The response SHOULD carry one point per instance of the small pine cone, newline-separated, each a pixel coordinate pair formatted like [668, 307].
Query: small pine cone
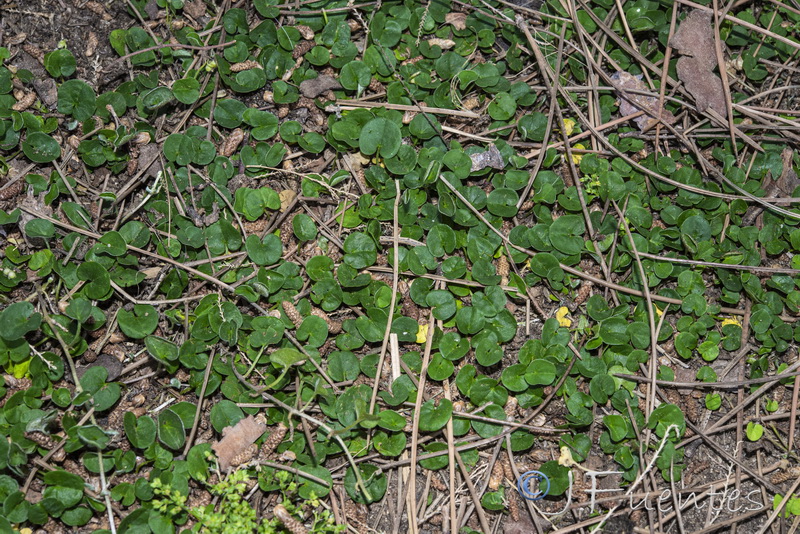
[505, 465]
[287, 231]
[375, 86]
[302, 49]
[245, 65]
[305, 32]
[275, 438]
[283, 111]
[31, 50]
[513, 504]
[292, 313]
[361, 178]
[12, 190]
[292, 525]
[692, 409]
[583, 293]
[245, 456]
[470, 103]
[98, 9]
[780, 392]
[496, 478]
[230, 144]
[502, 269]
[131, 166]
[24, 100]
[783, 476]
[45, 441]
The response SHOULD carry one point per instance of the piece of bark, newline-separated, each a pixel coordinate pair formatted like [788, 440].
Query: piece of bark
[237, 439]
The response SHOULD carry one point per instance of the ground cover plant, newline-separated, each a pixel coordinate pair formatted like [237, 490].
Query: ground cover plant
[399, 266]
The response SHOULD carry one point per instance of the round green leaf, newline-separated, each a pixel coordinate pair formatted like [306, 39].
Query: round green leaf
[171, 431]
[503, 202]
[17, 320]
[374, 480]
[139, 323]
[41, 148]
[229, 113]
[98, 281]
[265, 251]
[502, 107]
[60, 63]
[186, 90]
[540, 373]
[304, 227]
[380, 136]
[77, 98]
[432, 417]
[355, 76]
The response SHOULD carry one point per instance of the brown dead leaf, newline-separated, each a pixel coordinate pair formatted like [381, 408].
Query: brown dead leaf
[694, 39]
[287, 197]
[237, 439]
[316, 86]
[457, 20]
[630, 103]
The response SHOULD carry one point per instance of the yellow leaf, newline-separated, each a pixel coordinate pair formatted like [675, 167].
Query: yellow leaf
[731, 320]
[659, 311]
[565, 458]
[19, 370]
[569, 126]
[422, 333]
[576, 158]
[561, 315]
